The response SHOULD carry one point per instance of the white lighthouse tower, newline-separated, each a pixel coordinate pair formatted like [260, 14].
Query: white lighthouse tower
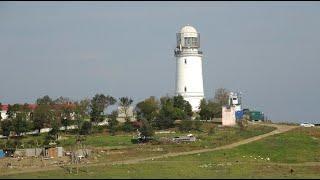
[189, 82]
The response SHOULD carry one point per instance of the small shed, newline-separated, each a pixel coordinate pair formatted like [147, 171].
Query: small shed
[53, 152]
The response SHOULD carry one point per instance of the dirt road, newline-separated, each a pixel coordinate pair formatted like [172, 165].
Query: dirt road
[280, 129]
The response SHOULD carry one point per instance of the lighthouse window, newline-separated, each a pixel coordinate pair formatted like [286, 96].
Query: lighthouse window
[185, 89]
[178, 38]
[187, 41]
[185, 61]
[194, 42]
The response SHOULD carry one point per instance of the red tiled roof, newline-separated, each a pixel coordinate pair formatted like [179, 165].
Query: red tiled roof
[4, 107]
[32, 107]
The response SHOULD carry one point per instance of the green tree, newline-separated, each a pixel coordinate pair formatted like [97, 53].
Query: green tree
[86, 128]
[146, 129]
[53, 133]
[166, 116]
[184, 106]
[19, 123]
[185, 125]
[215, 109]
[45, 100]
[127, 126]
[26, 109]
[113, 123]
[42, 116]
[80, 112]
[62, 101]
[98, 104]
[6, 127]
[64, 108]
[66, 116]
[12, 110]
[148, 109]
[125, 103]
[204, 112]
[209, 110]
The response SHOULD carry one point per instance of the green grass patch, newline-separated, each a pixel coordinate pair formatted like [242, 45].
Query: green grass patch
[99, 140]
[296, 146]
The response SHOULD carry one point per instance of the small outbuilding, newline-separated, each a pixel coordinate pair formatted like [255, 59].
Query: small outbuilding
[53, 152]
[228, 116]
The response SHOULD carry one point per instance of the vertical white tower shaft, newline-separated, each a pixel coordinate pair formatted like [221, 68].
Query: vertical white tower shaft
[189, 81]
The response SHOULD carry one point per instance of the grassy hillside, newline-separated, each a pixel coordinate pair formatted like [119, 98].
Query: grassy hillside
[296, 146]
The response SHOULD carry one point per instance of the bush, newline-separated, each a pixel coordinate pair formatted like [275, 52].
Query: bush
[197, 125]
[146, 129]
[113, 123]
[86, 128]
[2, 144]
[13, 143]
[212, 130]
[98, 129]
[134, 141]
[31, 143]
[127, 126]
[186, 125]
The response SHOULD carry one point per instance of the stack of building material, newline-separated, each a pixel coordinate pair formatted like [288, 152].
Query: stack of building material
[19, 153]
[188, 138]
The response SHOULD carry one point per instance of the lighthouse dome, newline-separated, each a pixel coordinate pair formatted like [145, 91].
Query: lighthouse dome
[188, 29]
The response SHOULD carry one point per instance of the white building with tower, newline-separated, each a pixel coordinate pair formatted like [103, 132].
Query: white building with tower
[189, 81]
[234, 100]
[229, 111]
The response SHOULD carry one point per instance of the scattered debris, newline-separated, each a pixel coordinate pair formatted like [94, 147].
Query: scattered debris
[205, 165]
[157, 149]
[259, 157]
[164, 132]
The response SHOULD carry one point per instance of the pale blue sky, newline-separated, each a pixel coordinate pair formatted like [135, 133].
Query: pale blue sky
[268, 50]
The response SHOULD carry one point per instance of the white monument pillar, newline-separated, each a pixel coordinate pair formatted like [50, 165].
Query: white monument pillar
[189, 81]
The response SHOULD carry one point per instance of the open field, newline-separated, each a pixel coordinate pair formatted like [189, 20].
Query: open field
[287, 153]
[108, 148]
[293, 154]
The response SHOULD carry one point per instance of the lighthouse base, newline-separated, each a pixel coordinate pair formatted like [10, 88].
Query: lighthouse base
[194, 102]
